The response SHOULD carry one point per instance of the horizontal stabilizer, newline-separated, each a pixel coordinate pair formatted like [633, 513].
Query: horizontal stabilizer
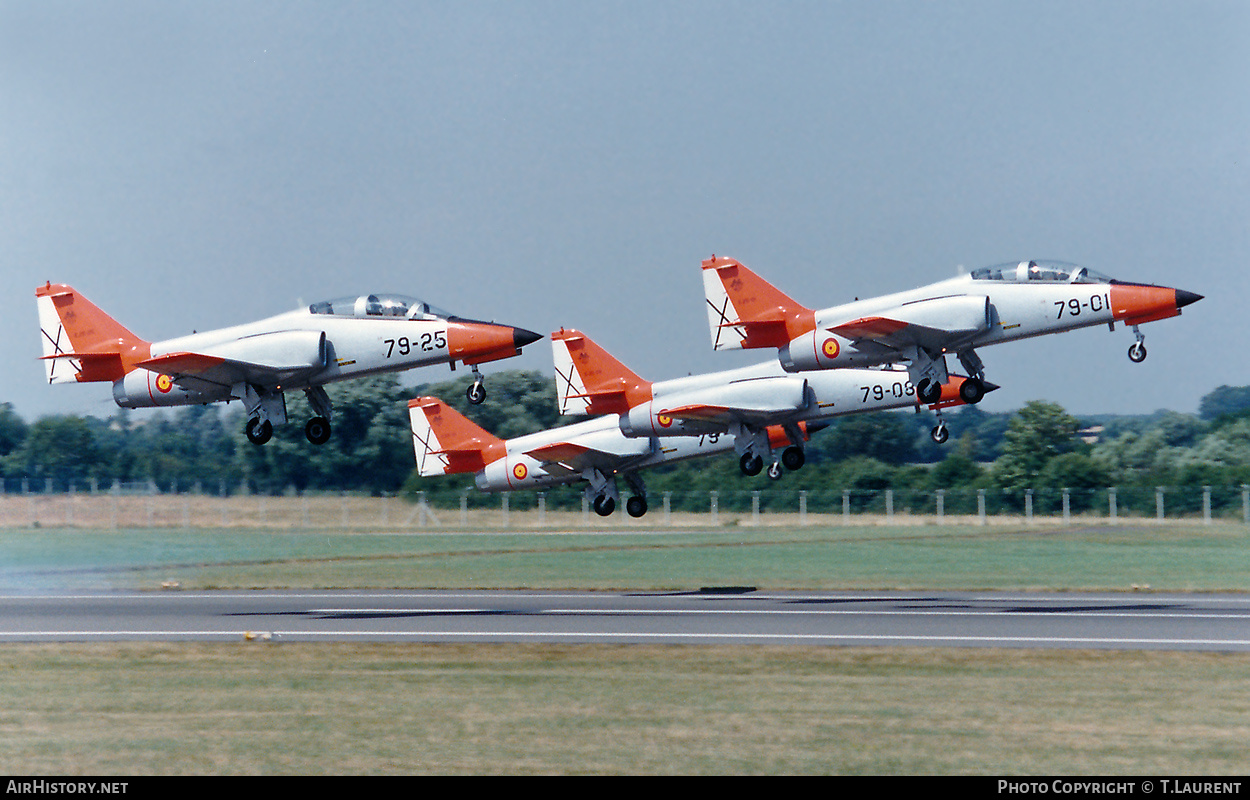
[744, 311]
[80, 342]
[589, 380]
[446, 442]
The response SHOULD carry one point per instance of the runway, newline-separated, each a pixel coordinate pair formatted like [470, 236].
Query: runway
[726, 616]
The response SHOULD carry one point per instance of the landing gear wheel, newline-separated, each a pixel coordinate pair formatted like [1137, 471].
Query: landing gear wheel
[929, 391]
[476, 393]
[774, 471]
[604, 505]
[318, 430]
[258, 431]
[636, 505]
[793, 458]
[939, 433]
[1137, 352]
[971, 391]
[750, 464]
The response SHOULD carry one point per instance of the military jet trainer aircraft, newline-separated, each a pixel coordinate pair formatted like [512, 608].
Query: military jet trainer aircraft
[259, 362]
[748, 404]
[595, 451]
[921, 326]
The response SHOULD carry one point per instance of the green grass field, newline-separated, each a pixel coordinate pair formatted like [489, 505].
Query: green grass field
[272, 708]
[1175, 557]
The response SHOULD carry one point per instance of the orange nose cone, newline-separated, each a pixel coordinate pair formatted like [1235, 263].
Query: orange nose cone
[479, 342]
[1135, 303]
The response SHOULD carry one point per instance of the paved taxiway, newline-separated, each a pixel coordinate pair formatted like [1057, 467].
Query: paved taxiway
[710, 616]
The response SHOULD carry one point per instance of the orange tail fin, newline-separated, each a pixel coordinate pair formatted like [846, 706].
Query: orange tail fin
[446, 442]
[81, 342]
[745, 311]
[589, 380]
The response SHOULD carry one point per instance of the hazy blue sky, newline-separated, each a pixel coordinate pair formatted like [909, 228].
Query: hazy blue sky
[195, 165]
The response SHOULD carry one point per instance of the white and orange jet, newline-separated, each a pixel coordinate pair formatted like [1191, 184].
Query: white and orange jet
[258, 362]
[922, 326]
[748, 404]
[595, 451]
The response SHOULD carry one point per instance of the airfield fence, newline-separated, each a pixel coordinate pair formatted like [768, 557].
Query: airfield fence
[30, 504]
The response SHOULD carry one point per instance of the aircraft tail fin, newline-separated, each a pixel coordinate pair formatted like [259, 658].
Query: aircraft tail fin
[590, 380]
[745, 311]
[446, 442]
[81, 342]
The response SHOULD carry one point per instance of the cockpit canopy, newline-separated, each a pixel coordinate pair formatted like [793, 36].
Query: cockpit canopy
[1040, 271]
[379, 305]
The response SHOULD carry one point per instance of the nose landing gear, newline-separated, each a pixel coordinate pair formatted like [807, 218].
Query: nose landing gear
[1137, 350]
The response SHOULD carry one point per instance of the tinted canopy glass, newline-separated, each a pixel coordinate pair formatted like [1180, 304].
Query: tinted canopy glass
[1040, 271]
[379, 305]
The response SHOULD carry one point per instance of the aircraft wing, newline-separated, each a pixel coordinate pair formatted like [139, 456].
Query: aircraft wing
[934, 323]
[573, 457]
[269, 360]
[721, 417]
[756, 402]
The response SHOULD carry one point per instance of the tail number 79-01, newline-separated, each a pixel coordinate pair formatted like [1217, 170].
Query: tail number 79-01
[425, 343]
[1073, 307]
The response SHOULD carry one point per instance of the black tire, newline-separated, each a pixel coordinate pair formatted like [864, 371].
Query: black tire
[929, 391]
[750, 464]
[1137, 352]
[793, 457]
[971, 391]
[604, 505]
[259, 432]
[476, 394]
[318, 430]
[940, 434]
[636, 506]
[775, 471]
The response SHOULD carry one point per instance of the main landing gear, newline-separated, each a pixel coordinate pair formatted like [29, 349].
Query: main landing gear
[266, 408]
[792, 458]
[604, 496]
[259, 431]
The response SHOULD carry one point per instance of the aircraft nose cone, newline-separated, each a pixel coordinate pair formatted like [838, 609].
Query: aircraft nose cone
[522, 337]
[989, 387]
[1184, 298]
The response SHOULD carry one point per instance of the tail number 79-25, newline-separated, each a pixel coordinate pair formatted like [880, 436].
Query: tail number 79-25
[425, 343]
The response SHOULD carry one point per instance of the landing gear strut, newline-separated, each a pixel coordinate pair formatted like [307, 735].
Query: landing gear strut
[1137, 351]
[477, 392]
[318, 428]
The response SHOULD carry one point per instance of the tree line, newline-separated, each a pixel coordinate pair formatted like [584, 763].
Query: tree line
[1037, 447]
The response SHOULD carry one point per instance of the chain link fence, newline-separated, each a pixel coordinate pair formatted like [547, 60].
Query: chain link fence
[32, 504]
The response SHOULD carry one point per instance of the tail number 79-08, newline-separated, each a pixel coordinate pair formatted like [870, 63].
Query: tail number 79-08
[897, 390]
[425, 343]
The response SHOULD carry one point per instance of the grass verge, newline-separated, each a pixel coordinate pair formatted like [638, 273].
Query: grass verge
[144, 709]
